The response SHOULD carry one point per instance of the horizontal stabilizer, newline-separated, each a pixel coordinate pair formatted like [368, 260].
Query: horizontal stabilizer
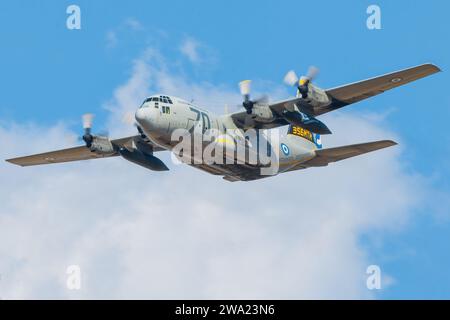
[326, 156]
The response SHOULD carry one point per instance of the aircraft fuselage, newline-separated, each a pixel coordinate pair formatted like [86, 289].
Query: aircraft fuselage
[160, 121]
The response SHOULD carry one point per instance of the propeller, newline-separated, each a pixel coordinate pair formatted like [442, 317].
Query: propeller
[87, 126]
[244, 87]
[291, 78]
[248, 104]
[302, 83]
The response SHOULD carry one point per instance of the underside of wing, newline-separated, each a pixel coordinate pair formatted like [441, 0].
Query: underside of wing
[354, 92]
[326, 156]
[72, 154]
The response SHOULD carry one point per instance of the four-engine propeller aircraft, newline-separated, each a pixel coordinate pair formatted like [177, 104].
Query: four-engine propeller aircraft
[160, 116]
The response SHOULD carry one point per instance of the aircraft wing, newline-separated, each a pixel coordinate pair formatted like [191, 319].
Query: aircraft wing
[354, 92]
[326, 156]
[64, 155]
[71, 154]
[338, 97]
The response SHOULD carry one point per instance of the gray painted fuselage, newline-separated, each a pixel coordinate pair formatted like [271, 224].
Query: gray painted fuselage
[159, 120]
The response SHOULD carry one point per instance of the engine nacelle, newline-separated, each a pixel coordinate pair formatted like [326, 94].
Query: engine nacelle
[263, 113]
[101, 145]
[317, 97]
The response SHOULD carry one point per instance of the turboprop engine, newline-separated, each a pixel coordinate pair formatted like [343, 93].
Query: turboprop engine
[139, 153]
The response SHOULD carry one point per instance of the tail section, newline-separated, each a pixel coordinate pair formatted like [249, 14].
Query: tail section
[325, 156]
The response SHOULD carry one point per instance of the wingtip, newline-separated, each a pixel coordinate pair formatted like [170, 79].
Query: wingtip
[435, 67]
[391, 143]
[12, 162]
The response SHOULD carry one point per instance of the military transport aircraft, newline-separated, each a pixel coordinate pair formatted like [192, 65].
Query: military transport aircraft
[160, 116]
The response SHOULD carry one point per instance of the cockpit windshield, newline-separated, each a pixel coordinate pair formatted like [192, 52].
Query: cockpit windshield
[163, 99]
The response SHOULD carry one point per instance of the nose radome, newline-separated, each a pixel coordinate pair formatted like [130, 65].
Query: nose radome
[141, 115]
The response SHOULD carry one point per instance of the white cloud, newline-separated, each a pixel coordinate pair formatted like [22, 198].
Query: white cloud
[129, 24]
[187, 234]
[134, 24]
[190, 48]
[197, 52]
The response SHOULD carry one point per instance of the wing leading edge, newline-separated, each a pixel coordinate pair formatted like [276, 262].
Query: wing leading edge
[341, 96]
[59, 156]
[357, 91]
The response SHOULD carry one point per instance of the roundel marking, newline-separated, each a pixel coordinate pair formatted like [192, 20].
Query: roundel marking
[318, 140]
[285, 149]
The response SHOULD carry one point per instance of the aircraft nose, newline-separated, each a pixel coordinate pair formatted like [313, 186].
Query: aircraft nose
[141, 115]
[147, 118]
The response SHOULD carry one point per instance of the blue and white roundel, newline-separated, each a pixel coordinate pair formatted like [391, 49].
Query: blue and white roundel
[318, 141]
[285, 149]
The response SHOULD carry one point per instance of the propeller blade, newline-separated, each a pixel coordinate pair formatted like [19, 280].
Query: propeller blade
[87, 125]
[87, 120]
[262, 100]
[103, 133]
[244, 87]
[291, 78]
[304, 80]
[312, 73]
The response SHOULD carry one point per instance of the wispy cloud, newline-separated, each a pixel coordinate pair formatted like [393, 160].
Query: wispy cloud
[111, 39]
[197, 52]
[128, 25]
[134, 24]
[189, 48]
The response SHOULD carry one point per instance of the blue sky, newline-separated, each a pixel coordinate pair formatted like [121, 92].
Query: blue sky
[50, 74]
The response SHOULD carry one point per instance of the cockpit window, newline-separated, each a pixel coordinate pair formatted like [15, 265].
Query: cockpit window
[163, 99]
[145, 101]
